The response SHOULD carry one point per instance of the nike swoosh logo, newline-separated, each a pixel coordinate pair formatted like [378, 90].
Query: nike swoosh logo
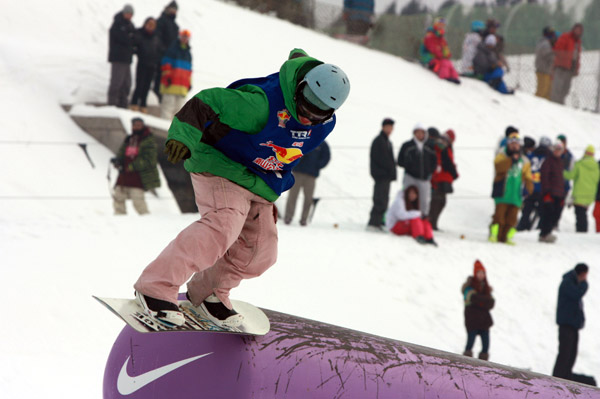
[126, 384]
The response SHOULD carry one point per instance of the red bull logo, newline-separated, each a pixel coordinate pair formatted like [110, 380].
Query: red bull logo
[283, 116]
[284, 155]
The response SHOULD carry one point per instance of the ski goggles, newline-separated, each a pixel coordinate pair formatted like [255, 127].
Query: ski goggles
[310, 111]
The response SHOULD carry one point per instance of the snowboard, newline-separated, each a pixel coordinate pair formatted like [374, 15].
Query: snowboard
[255, 321]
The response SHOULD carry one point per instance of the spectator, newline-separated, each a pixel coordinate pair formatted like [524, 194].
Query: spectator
[568, 161]
[507, 132]
[469, 48]
[405, 218]
[585, 176]
[532, 202]
[491, 27]
[477, 295]
[138, 172]
[512, 172]
[441, 180]
[553, 192]
[528, 146]
[597, 207]
[488, 67]
[419, 162]
[544, 60]
[148, 52]
[120, 54]
[567, 52]
[167, 31]
[435, 53]
[358, 15]
[305, 176]
[176, 80]
[383, 171]
[570, 319]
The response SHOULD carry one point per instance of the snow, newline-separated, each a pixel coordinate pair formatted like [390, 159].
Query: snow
[60, 243]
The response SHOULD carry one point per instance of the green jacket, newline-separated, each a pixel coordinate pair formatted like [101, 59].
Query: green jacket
[585, 177]
[510, 178]
[145, 163]
[246, 109]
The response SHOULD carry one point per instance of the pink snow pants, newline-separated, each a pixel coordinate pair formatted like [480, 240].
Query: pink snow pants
[235, 239]
[446, 70]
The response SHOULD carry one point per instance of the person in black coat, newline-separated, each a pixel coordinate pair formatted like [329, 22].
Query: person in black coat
[305, 174]
[167, 31]
[383, 171]
[120, 54]
[478, 299]
[419, 161]
[570, 319]
[148, 50]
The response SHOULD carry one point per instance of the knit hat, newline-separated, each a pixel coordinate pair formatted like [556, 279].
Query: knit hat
[127, 9]
[490, 40]
[477, 267]
[562, 138]
[419, 126]
[558, 145]
[450, 135]
[528, 142]
[509, 130]
[185, 33]
[136, 119]
[545, 141]
[433, 133]
[387, 121]
[172, 4]
[590, 150]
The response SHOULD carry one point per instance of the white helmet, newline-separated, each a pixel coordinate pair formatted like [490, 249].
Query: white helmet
[329, 83]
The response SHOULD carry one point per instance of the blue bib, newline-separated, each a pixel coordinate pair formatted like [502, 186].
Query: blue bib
[273, 152]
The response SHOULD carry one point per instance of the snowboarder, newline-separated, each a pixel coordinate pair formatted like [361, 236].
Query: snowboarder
[240, 144]
[478, 299]
[138, 171]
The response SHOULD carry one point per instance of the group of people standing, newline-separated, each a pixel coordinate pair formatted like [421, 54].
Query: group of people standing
[164, 61]
[429, 170]
[537, 179]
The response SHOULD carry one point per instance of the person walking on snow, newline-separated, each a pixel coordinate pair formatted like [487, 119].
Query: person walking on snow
[570, 319]
[419, 162]
[240, 145]
[405, 218]
[176, 75]
[585, 176]
[383, 171]
[477, 295]
[138, 172]
[513, 171]
[306, 174]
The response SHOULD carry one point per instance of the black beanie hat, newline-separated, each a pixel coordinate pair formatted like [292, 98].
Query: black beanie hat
[581, 268]
[433, 133]
[528, 142]
[510, 129]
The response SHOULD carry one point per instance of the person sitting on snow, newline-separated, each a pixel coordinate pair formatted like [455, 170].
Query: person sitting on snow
[435, 53]
[405, 218]
[469, 48]
[488, 67]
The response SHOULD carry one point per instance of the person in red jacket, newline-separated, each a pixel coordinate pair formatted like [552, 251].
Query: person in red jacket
[435, 53]
[445, 173]
[567, 51]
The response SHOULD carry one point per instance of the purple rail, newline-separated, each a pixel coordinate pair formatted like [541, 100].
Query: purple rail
[301, 358]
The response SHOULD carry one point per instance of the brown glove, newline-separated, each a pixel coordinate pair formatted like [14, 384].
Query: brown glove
[176, 151]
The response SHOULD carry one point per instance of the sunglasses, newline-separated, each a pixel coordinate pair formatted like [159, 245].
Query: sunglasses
[310, 111]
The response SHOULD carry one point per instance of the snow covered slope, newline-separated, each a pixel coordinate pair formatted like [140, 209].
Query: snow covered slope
[59, 242]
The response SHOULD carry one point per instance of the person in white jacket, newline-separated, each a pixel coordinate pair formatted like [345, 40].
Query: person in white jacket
[469, 48]
[405, 218]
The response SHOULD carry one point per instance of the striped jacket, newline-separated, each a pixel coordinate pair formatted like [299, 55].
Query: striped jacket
[176, 70]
